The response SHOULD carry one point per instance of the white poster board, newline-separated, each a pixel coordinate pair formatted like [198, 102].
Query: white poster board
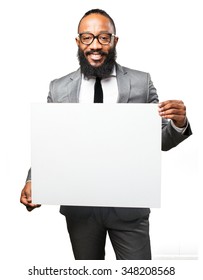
[96, 154]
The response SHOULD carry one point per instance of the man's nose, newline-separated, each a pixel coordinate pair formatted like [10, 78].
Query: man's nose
[95, 44]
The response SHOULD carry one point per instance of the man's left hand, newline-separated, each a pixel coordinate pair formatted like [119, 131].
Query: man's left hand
[174, 110]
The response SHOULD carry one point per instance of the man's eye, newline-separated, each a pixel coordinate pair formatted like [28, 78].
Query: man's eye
[86, 37]
[104, 37]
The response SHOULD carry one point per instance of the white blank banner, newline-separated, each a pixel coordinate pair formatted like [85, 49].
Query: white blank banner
[96, 154]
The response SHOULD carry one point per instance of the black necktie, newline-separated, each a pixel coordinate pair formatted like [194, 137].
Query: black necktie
[98, 92]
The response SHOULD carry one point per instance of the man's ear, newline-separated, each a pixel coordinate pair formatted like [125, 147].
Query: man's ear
[77, 41]
[116, 40]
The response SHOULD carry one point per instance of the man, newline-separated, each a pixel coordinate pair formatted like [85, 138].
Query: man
[128, 228]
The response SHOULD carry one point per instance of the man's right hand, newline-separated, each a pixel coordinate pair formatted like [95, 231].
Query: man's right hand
[26, 198]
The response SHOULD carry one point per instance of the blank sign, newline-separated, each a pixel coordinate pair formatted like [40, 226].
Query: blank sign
[96, 154]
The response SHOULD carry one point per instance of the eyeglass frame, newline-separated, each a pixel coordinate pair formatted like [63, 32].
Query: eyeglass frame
[96, 37]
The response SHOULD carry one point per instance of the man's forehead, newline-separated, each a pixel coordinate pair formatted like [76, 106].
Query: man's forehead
[95, 22]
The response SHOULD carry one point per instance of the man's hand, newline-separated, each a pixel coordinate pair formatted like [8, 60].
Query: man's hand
[26, 198]
[174, 110]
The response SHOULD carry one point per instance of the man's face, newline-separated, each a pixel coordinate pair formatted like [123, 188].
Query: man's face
[96, 53]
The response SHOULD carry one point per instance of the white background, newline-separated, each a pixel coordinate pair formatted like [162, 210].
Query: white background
[37, 45]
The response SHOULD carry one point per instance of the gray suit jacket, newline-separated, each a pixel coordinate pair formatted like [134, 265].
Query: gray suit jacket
[133, 87]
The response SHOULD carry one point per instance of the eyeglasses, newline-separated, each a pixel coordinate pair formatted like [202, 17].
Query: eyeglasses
[88, 38]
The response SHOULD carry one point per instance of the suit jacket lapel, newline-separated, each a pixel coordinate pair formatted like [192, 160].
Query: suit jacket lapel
[73, 88]
[123, 84]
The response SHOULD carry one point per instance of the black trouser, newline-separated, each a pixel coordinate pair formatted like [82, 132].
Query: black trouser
[130, 239]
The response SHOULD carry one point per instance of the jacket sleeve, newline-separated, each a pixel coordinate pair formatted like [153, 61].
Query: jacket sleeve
[28, 175]
[171, 138]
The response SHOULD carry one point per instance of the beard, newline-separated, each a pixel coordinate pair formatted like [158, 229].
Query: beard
[102, 71]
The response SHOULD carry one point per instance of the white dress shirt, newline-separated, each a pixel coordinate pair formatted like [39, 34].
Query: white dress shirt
[109, 86]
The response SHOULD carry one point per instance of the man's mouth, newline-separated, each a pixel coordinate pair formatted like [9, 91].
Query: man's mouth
[96, 55]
